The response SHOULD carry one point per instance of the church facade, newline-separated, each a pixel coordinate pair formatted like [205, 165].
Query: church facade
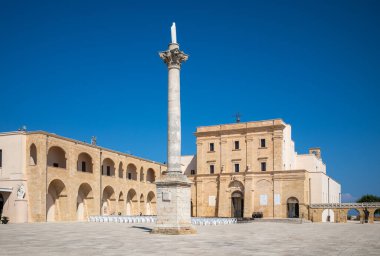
[246, 168]
[46, 177]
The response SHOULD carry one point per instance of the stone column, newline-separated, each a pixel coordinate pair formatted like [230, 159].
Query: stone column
[173, 188]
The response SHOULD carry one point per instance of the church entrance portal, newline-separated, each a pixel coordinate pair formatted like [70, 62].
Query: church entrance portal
[237, 204]
[293, 208]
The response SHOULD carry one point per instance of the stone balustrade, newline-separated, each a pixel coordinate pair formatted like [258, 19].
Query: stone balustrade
[346, 205]
[123, 219]
[152, 219]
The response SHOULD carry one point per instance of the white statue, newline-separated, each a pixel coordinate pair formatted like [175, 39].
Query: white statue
[21, 192]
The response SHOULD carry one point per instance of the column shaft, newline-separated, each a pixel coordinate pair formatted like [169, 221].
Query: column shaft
[174, 121]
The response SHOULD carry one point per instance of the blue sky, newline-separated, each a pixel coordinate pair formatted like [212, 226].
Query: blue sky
[83, 68]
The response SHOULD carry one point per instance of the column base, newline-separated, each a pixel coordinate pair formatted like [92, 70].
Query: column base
[173, 205]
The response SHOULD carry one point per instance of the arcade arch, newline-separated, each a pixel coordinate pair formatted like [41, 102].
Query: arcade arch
[151, 204]
[131, 172]
[376, 215]
[84, 163]
[85, 202]
[56, 201]
[108, 167]
[142, 174]
[33, 155]
[353, 214]
[108, 201]
[56, 157]
[142, 205]
[121, 204]
[121, 171]
[150, 176]
[132, 202]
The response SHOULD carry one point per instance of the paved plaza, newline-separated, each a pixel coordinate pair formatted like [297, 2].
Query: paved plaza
[239, 239]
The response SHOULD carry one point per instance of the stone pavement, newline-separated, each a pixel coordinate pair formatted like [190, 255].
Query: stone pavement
[240, 239]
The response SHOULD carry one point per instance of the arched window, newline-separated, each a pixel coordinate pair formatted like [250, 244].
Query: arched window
[150, 177]
[84, 163]
[56, 157]
[33, 155]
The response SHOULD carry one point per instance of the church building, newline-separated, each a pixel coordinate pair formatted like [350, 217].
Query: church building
[243, 168]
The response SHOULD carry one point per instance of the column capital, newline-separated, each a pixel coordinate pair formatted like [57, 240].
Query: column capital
[173, 57]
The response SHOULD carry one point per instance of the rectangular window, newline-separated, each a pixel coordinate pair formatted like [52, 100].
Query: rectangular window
[212, 169]
[262, 143]
[83, 166]
[192, 172]
[212, 147]
[237, 167]
[237, 145]
[1, 158]
[129, 176]
[108, 170]
[263, 166]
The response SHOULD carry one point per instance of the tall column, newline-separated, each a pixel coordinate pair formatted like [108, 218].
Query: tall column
[173, 188]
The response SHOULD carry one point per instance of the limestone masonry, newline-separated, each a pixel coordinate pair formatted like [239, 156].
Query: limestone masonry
[66, 180]
[239, 169]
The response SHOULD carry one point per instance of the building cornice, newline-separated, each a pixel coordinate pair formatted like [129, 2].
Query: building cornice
[248, 127]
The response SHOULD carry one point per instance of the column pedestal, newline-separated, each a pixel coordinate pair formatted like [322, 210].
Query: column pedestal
[173, 205]
[21, 209]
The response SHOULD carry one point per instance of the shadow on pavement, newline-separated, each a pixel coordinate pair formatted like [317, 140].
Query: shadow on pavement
[143, 228]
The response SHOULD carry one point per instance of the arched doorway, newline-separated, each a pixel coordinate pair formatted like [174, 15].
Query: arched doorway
[293, 208]
[328, 215]
[56, 201]
[237, 204]
[1, 204]
[85, 202]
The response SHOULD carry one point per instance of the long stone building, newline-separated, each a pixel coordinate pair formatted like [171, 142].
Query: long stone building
[250, 167]
[239, 169]
[45, 177]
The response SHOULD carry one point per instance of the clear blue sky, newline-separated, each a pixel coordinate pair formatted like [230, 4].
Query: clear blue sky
[83, 68]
